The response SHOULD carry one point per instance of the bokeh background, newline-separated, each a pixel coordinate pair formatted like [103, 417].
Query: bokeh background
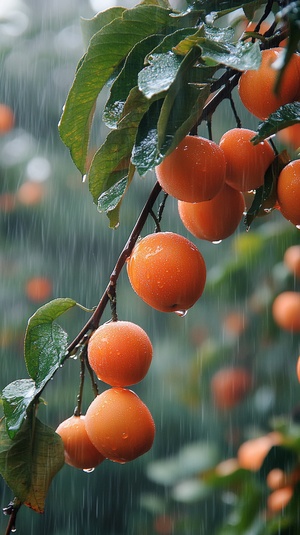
[50, 230]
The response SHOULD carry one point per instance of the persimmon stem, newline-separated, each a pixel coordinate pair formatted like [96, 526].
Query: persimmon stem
[94, 320]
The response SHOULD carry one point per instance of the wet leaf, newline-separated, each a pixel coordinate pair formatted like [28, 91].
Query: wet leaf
[145, 150]
[45, 341]
[241, 57]
[127, 79]
[111, 200]
[285, 116]
[30, 461]
[117, 147]
[17, 397]
[91, 26]
[107, 49]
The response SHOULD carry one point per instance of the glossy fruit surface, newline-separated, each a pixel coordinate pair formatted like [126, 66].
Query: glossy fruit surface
[229, 386]
[256, 87]
[286, 311]
[216, 219]
[79, 450]
[246, 163]
[120, 353]
[194, 171]
[120, 425]
[288, 192]
[167, 271]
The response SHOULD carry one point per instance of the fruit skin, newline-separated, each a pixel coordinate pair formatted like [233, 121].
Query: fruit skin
[194, 171]
[279, 499]
[290, 135]
[79, 450]
[288, 192]
[291, 259]
[120, 353]
[120, 425]
[216, 219]
[256, 87]
[229, 386]
[298, 369]
[167, 271]
[246, 163]
[286, 311]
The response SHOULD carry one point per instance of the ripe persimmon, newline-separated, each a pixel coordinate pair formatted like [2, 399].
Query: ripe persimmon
[252, 453]
[120, 353]
[120, 425]
[291, 259]
[30, 193]
[38, 289]
[288, 192]
[257, 87]
[167, 271]
[7, 119]
[229, 386]
[79, 450]
[286, 311]
[290, 136]
[194, 171]
[246, 163]
[279, 498]
[216, 219]
[298, 369]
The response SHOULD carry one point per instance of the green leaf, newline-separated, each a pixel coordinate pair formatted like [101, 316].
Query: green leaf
[241, 57]
[45, 341]
[160, 74]
[285, 116]
[91, 26]
[110, 201]
[17, 397]
[127, 79]
[145, 150]
[107, 49]
[221, 7]
[30, 461]
[117, 147]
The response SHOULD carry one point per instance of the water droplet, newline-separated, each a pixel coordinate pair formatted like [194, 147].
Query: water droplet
[124, 435]
[83, 178]
[181, 313]
[74, 357]
[298, 227]
[88, 470]
[216, 242]
[13, 529]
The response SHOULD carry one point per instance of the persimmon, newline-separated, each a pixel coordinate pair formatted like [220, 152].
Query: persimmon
[279, 499]
[7, 119]
[276, 479]
[38, 289]
[30, 193]
[120, 425]
[286, 311]
[229, 386]
[194, 171]
[216, 219]
[290, 136]
[257, 87]
[291, 259]
[120, 353]
[252, 453]
[79, 450]
[288, 192]
[246, 163]
[167, 271]
[298, 369]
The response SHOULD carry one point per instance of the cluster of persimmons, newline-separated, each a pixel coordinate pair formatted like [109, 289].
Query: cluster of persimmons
[167, 271]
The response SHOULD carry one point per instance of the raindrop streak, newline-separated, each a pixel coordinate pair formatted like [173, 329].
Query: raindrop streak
[181, 313]
[88, 470]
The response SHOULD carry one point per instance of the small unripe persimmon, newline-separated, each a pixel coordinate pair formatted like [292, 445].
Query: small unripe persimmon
[120, 425]
[79, 450]
[167, 271]
[120, 353]
[194, 171]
